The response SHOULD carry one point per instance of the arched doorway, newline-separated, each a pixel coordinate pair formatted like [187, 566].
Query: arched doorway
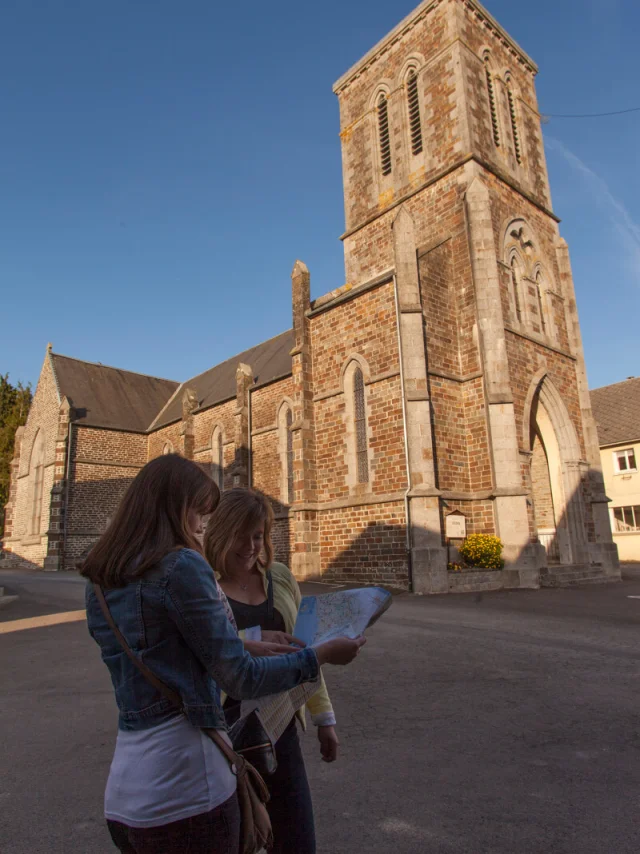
[556, 492]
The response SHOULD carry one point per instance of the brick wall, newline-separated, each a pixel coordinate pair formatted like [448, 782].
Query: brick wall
[366, 544]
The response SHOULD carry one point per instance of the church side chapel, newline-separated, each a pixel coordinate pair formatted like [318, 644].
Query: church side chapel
[446, 378]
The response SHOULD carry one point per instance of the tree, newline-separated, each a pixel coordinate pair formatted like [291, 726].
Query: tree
[14, 408]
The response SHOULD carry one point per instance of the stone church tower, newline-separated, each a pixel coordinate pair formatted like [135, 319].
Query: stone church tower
[446, 376]
[446, 186]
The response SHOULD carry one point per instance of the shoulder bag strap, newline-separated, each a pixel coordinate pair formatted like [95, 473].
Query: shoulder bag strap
[148, 674]
[270, 608]
[235, 761]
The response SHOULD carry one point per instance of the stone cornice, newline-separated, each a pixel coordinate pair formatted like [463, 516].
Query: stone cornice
[411, 21]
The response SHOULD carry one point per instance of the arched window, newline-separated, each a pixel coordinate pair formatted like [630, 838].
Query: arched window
[492, 101]
[290, 480]
[217, 458]
[37, 482]
[360, 424]
[514, 123]
[515, 281]
[413, 106]
[383, 134]
[543, 325]
[168, 448]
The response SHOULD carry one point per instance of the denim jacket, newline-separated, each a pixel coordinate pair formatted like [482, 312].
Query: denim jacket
[174, 619]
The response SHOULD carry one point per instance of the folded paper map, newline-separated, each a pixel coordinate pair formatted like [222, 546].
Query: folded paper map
[346, 613]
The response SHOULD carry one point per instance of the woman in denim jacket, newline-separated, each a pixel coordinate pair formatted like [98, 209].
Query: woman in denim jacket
[170, 790]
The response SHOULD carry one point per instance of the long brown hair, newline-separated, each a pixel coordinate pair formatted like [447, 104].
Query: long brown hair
[151, 520]
[238, 511]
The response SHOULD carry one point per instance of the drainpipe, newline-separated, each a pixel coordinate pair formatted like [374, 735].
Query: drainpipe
[406, 438]
[249, 458]
[67, 487]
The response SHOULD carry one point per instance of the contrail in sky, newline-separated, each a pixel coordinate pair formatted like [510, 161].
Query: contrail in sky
[622, 221]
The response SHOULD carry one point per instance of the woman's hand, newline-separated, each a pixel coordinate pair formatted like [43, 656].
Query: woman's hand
[328, 743]
[340, 650]
[282, 638]
[262, 649]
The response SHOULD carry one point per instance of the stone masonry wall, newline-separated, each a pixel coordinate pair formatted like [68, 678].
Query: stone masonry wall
[44, 414]
[104, 462]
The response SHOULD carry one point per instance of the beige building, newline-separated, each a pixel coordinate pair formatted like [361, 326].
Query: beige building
[617, 412]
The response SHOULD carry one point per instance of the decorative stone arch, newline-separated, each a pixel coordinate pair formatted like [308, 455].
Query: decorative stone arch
[410, 83]
[36, 481]
[168, 448]
[357, 429]
[517, 295]
[546, 416]
[217, 455]
[284, 420]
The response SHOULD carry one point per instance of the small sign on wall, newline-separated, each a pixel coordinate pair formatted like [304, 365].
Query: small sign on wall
[455, 525]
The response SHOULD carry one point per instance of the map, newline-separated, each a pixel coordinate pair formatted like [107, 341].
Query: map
[346, 613]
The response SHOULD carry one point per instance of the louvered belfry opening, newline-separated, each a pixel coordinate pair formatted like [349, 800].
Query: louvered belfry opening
[514, 126]
[383, 132]
[413, 103]
[492, 103]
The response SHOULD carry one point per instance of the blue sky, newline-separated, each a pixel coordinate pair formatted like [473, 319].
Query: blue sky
[163, 164]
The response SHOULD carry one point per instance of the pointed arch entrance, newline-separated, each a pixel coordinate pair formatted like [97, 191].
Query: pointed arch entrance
[556, 465]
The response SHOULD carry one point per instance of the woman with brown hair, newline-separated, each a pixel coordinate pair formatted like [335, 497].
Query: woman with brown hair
[170, 789]
[263, 593]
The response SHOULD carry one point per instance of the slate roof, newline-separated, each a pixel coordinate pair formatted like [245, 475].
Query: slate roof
[109, 397]
[616, 409]
[269, 360]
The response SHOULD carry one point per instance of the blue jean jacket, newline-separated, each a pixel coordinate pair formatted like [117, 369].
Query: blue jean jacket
[175, 620]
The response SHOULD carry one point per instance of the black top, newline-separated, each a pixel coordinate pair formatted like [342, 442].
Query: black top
[247, 616]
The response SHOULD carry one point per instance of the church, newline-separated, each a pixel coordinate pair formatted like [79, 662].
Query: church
[446, 378]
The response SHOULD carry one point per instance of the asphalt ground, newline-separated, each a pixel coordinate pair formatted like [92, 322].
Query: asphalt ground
[502, 723]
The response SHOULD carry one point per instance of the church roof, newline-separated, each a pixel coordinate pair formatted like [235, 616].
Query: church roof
[269, 361]
[616, 409]
[109, 397]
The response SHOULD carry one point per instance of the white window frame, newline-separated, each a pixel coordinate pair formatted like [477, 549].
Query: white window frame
[627, 452]
[635, 513]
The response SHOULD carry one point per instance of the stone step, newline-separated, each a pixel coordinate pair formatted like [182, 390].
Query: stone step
[573, 576]
[475, 582]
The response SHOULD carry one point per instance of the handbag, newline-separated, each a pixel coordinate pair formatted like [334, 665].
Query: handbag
[248, 735]
[255, 824]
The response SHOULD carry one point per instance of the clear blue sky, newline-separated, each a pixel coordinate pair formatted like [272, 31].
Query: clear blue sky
[163, 164]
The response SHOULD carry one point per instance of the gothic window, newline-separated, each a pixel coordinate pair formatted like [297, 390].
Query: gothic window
[37, 481]
[515, 281]
[383, 134]
[217, 455]
[514, 123]
[413, 106]
[543, 325]
[360, 424]
[289, 445]
[492, 101]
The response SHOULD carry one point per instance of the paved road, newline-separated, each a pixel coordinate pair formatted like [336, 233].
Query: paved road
[499, 724]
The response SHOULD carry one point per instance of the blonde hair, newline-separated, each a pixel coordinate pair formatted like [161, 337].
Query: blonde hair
[238, 511]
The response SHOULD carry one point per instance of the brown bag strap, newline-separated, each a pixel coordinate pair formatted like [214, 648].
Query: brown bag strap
[235, 761]
[148, 674]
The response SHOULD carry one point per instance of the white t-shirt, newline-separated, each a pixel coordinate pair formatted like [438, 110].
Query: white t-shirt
[167, 773]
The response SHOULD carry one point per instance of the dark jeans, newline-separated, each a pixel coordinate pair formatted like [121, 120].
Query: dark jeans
[290, 807]
[215, 832]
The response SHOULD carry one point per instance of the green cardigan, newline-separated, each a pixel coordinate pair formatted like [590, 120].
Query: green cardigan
[286, 599]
